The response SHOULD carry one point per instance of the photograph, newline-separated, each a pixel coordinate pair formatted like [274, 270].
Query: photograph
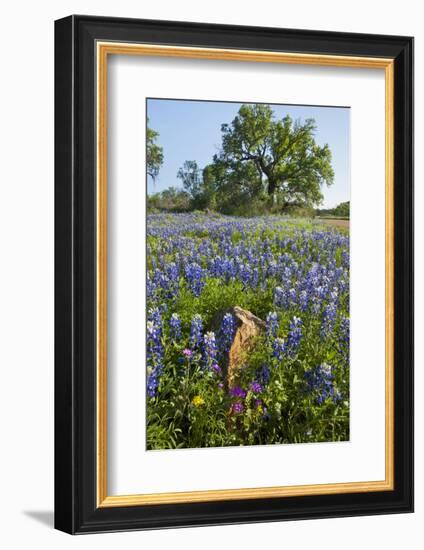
[234, 304]
[247, 274]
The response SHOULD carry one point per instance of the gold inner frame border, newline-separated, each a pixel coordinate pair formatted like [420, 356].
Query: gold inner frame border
[103, 50]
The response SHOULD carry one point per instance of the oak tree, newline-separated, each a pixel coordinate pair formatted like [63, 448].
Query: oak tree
[280, 156]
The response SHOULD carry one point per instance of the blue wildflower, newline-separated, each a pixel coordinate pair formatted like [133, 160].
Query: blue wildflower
[294, 336]
[344, 341]
[209, 349]
[195, 278]
[196, 331]
[271, 324]
[264, 374]
[227, 331]
[279, 298]
[320, 381]
[155, 353]
[328, 320]
[279, 348]
[175, 327]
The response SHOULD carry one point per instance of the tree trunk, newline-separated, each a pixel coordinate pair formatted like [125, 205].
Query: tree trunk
[272, 186]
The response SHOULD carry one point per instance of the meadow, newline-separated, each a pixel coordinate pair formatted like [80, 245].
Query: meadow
[292, 379]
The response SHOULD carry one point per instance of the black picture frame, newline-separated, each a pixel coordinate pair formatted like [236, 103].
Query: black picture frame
[76, 508]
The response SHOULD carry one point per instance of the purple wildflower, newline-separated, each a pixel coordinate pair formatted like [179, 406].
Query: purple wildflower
[237, 391]
[237, 408]
[255, 387]
[216, 368]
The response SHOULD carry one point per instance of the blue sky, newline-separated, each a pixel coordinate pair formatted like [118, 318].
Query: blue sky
[191, 130]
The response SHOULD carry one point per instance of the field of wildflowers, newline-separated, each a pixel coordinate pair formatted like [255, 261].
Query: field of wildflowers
[294, 384]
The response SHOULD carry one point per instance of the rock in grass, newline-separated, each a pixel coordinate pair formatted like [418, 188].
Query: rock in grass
[248, 327]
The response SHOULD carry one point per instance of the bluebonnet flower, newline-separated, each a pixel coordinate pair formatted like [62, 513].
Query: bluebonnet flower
[255, 278]
[328, 320]
[345, 258]
[160, 280]
[196, 331]
[279, 348]
[271, 269]
[279, 296]
[294, 336]
[155, 353]
[303, 300]
[271, 324]
[291, 297]
[264, 374]
[152, 383]
[195, 278]
[175, 327]
[320, 380]
[245, 273]
[344, 341]
[209, 348]
[150, 288]
[227, 331]
[155, 316]
[172, 274]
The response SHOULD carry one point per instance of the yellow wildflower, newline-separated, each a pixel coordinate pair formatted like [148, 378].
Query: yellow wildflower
[198, 401]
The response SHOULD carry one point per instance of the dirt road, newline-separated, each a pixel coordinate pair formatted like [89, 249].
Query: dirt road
[337, 223]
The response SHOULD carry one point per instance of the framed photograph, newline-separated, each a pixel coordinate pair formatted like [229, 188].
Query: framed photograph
[234, 274]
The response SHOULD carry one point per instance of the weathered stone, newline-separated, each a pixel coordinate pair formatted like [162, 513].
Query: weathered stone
[248, 327]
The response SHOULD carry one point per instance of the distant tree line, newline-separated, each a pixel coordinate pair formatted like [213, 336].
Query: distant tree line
[264, 165]
[342, 210]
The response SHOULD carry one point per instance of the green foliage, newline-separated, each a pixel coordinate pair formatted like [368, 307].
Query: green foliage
[154, 152]
[171, 200]
[190, 176]
[279, 157]
[342, 210]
